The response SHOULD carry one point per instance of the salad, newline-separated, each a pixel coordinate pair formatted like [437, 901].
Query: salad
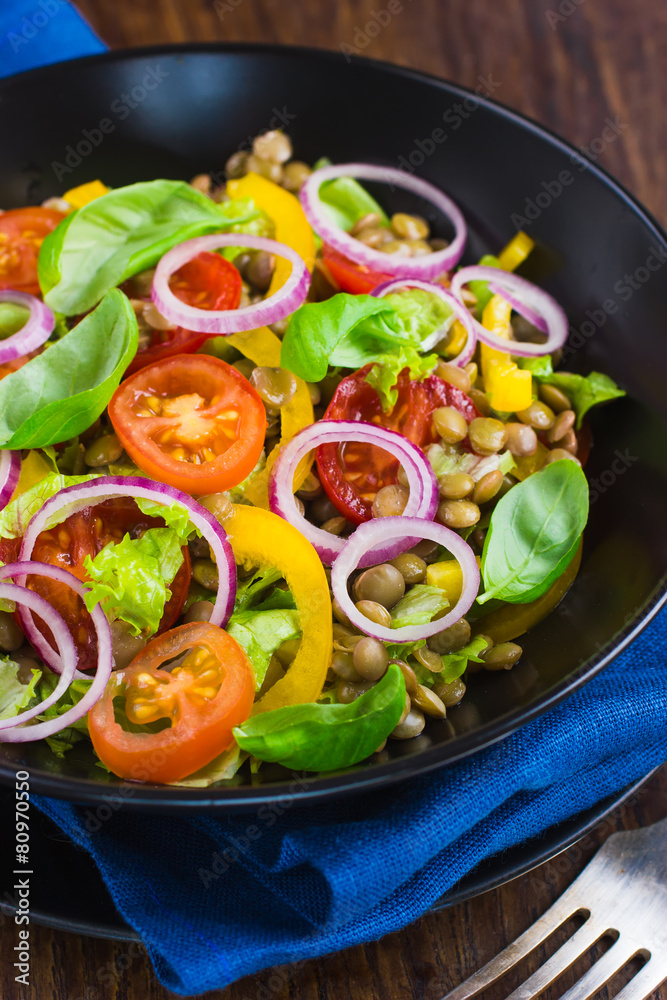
[278, 474]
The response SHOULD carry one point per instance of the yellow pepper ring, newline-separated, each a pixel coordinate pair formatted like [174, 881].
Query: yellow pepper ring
[260, 538]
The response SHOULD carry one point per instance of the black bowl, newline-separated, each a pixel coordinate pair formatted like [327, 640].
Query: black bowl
[174, 112]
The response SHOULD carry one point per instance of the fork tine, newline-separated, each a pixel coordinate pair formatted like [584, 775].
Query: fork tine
[648, 979]
[603, 970]
[562, 910]
[561, 960]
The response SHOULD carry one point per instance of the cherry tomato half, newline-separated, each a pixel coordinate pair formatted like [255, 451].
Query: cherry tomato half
[355, 278]
[22, 231]
[204, 698]
[85, 533]
[352, 473]
[191, 421]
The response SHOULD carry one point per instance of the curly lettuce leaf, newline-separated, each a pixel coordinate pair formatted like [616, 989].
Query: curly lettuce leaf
[418, 606]
[16, 515]
[131, 578]
[260, 633]
[383, 376]
[15, 696]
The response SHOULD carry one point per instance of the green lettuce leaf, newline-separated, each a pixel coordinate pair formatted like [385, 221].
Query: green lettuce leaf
[448, 460]
[421, 313]
[455, 664]
[481, 288]
[16, 515]
[221, 768]
[60, 743]
[585, 391]
[260, 633]
[62, 391]
[122, 233]
[347, 202]
[131, 578]
[174, 516]
[383, 376]
[14, 694]
[418, 606]
[251, 591]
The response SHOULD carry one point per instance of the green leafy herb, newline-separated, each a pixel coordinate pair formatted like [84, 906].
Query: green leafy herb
[61, 392]
[122, 233]
[260, 633]
[131, 578]
[347, 201]
[16, 515]
[14, 694]
[318, 328]
[12, 318]
[534, 533]
[418, 606]
[481, 288]
[383, 376]
[320, 737]
[584, 391]
[455, 664]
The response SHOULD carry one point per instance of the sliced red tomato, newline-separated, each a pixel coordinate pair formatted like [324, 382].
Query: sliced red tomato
[355, 278]
[191, 421]
[352, 473]
[83, 534]
[203, 699]
[22, 231]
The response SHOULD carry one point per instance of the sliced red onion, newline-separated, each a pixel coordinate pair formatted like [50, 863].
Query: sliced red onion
[10, 470]
[12, 730]
[222, 322]
[362, 543]
[459, 310]
[74, 498]
[535, 304]
[430, 265]
[37, 330]
[422, 502]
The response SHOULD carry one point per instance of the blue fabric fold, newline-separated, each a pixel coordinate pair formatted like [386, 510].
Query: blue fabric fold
[272, 887]
[232, 896]
[38, 32]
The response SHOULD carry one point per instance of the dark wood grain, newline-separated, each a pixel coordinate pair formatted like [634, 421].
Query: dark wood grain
[570, 72]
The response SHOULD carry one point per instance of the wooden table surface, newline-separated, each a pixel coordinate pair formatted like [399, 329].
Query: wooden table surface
[571, 64]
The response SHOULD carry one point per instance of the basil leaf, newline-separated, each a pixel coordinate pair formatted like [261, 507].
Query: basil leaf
[318, 737]
[61, 392]
[316, 329]
[534, 532]
[260, 633]
[122, 233]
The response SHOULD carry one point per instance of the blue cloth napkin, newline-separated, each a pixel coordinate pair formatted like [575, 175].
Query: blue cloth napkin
[228, 897]
[38, 32]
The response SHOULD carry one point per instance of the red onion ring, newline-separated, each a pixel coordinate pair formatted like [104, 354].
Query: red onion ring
[10, 470]
[422, 503]
[460, 312]
[222, 322]
[431, 265]
[34, 333]
[524, 310]
[535, 304]
[73, 498]
[361, 544]
[16, 732]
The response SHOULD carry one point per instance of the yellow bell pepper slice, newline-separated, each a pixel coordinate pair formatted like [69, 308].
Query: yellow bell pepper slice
[516, 251]
[513, 620]
[448, 576]
[292, 226]
[85, 193]
[260, 538]
[262, 347]
[508, 387]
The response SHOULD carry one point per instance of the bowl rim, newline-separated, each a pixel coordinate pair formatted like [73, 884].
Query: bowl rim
[305, 789]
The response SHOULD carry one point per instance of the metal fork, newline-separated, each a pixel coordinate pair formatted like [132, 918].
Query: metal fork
[622, 893]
